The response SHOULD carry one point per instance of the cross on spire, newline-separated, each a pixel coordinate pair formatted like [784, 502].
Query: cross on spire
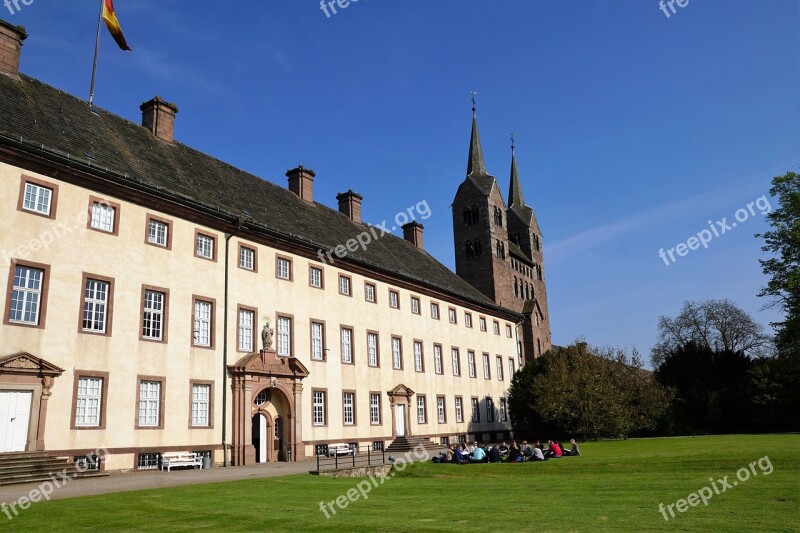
[474, 94]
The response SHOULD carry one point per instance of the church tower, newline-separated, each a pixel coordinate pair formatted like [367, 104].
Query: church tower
[498, 247]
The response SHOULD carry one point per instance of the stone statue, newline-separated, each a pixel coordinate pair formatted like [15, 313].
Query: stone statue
[266, 336]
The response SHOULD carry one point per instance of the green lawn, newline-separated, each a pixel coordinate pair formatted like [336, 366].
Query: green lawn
[613, 486]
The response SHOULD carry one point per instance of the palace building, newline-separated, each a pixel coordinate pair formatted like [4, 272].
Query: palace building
[158, 299]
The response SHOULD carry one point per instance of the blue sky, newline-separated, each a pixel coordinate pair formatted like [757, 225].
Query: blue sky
[633, 129]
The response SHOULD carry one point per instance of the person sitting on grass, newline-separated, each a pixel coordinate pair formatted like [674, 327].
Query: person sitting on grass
[553, 450]
[537, 455]
[503, 450]
[458, 456]
[574, 451]
[494, 455]
[514, 455]
[526, 449]
[479, 455]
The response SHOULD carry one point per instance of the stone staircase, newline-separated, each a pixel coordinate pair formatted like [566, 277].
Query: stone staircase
[36, 467]
[406, 444]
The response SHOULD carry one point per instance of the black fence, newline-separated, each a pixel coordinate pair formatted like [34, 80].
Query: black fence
[352, 457]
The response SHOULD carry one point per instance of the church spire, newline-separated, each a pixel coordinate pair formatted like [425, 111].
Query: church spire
[475, 164]
[515, 198]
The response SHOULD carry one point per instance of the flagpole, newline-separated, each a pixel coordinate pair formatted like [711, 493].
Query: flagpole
[96, 50]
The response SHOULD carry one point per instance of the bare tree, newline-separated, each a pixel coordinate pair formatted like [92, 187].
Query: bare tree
[716, 324]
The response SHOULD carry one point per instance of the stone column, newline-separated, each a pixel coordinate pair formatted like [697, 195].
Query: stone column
[296, 424]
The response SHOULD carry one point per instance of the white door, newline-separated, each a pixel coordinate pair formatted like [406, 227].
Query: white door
[400, 419]
[15, 413]
[262, 444]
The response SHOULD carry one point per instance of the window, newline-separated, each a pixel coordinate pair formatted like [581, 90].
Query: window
[38, 197]
[377, 446]
[150, 404]
[154, 314]
[511, 369]
[372, 349]
[96, 307]
[148, 461]
[321, 449]
[415, 305]
[471, 363]
[349, 408]
[394, 299]
[347, 345]
[482, 323]
[487, 374]
[247, 334]
[159, 232]
[283, 268]
[419, 364]
[476, 410]
[284, 336]
[397, 353]
[344, 285]
[456, 362]
[422, 417]
[204, 246]
[89, 402]
[247, 258]
[103, 215]
[437, 359]
[369, 292]
[468, 319]
[435, 311]
[489, 410]
[315, 277]
[374, 408]
[496, 327]
[444, 441]
[28, 294]
[442, 415]
[319, 408]
[317, 341]
[503, 410]
[201, 402]
[203, 320]
[451, 314]
[508, 331]
[459, 409]
[499, 368]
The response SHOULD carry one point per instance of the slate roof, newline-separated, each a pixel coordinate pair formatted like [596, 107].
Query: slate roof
[42, 117]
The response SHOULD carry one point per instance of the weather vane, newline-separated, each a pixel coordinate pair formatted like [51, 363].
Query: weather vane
[513, 135]
[474, 94]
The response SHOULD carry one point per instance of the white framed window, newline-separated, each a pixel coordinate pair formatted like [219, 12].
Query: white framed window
[204, 246]
[496, 327]
[476, 410]
[394, 300]
[372, 349]
[437, 359]
[315, 277]
[247, 258]
[487, 372]
[503, 410]
[95, 306]
[499, 368]
[283, 268]
[511, 368]
[347, 345]
[421, 415]
[418, 363]
[482, 323]
[348, 408]
[157, 232]
[397, 354]
[26, 295]
[369, 292]
[153, 317]
[202, 323]
[319, 408]
[374, 408]
[415, 305]
[37, 199]
[284, 342]
[456, 362]
[201, 399]
[149, 403]
[103, 217]
[440, 409]
[468, 320]
[451, 315]
[508, 331]
[317, 341]
[435, 311]
[471, 363]
[89, 399]
[246, 333]
[489, 410]
[459, 409]
[344, 285]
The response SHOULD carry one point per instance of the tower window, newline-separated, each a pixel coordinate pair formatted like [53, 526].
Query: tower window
[500, 250]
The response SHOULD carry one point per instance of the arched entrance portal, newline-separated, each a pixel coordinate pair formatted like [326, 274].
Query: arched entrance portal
[266, 425]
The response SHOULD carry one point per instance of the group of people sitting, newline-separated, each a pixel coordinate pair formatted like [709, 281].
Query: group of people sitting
[463, 454]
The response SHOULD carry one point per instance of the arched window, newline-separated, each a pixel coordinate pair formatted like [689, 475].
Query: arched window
[516, 288]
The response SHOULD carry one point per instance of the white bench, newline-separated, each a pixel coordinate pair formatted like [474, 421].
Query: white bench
[171, 459]
[339, 449]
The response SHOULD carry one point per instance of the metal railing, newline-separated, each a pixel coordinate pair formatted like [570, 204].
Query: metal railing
[357, 457]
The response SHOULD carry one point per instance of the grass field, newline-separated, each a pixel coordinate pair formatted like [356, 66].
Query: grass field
[613, 486]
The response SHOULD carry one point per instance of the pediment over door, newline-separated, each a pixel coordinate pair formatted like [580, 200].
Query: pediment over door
[401, 390]
[268, 363]
[26, 364]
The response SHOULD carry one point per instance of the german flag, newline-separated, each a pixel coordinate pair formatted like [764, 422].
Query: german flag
[113, 24]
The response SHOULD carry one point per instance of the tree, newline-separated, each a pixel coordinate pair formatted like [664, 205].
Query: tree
[783, 241]
[715, 324]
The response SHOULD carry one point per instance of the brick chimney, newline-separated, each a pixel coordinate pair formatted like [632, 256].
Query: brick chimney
[350, 205]
[158, 116]
[412, 232]
[301, 182]
[11, 38]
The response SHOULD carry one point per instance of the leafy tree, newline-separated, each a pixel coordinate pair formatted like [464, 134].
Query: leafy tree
[714, 324]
